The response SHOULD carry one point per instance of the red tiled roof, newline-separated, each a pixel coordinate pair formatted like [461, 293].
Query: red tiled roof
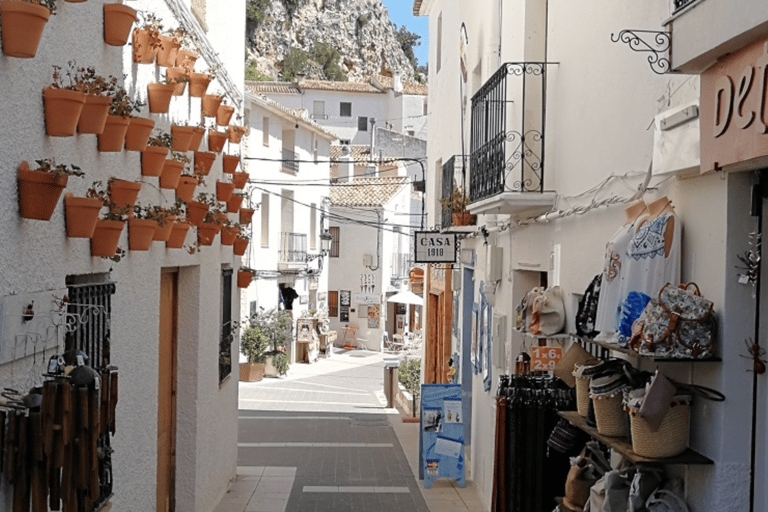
[271, 88]
[373, 192]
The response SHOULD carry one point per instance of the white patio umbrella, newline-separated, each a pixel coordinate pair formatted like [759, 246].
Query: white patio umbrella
[406, 297]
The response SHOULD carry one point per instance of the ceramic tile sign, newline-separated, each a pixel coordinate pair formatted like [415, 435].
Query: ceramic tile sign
[441, 445]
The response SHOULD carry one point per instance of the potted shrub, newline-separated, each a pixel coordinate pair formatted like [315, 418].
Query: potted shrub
[169, 45]
[153, 156]
[224, 191]
[457, 204]
[234, 202]
[142, 226]
[81, 214]
[197, 137]
[118, 120]
[254, 344]
[224, 113]
[186, 56]
[245, 215]
[198, 82]
[122, 194]
[172, 169]
[182, 136]
[160, 94]
[63, 103]
[210, 104]
[229, 163]
[22, 25]
[241, 241]
[229, 232]
[236, 133]
[187, 184]
[212, 223]
[216, 140]
[166, 218]
[118, 19]
[240, 179]
[179, 76]
[107, 233]
[277, 327]
[146, 39]
[203, 162]
[196, 210]
[40, 188]
[99, 92]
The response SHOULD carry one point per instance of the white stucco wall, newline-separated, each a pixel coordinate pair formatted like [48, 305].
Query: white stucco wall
[37, 256]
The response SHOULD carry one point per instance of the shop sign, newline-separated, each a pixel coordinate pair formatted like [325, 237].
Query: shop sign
[433, 247]
[734, 108]
[367, 298]
[544, 359]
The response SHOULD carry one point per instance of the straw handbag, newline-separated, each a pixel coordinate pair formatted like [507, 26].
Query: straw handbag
[672, 436]
[610, 416]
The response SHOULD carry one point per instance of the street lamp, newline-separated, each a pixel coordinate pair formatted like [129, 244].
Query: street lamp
[325, 242]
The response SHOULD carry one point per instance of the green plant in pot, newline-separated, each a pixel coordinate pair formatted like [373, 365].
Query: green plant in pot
[275, 327]
[457, 204]
[254, 344]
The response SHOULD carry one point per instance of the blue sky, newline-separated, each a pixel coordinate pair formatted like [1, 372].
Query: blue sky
[401, 12]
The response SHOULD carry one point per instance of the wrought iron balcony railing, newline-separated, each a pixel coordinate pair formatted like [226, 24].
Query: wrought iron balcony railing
[681, 4]
[293, 248]
[289, 161]
[453, 176]
[507, 144]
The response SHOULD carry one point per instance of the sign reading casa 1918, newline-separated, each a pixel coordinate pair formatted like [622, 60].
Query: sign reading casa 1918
[434, 247]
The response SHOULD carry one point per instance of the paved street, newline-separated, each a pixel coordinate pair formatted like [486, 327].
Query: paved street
[321, 439]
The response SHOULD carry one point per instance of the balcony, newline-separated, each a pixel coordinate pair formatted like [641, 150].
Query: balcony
[293, 252]
[401, 266]
[290, 163]
[679, 5]
[508, 142]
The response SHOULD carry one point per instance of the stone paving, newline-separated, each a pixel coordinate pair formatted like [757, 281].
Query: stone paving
[322, 439]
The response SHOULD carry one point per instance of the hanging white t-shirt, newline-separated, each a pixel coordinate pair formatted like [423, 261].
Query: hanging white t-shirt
[610, 288]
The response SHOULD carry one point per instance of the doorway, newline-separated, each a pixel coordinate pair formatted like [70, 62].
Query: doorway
[167, 382]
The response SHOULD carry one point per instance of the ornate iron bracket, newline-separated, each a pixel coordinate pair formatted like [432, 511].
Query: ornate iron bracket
[657, 45]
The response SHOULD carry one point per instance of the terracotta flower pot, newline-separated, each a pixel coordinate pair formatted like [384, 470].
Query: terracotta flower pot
[39, 192]
[178, 235]
[210, 104]
[224, 191]
[233, 205]
[118, 19]
[216, 141]
[176, 72]
[145, 44]
[198, 84]
[463, 219]
[244, 278]
[239, 247]
[186, 58]
[186, 188]
[236, 133]
[62, 110]
[230, 163]
[245, 215]
[153, 160]
[160, 97]
[206, 232]
[171, 173]
[81, 215]
[203, 162]
[197, 137]
[240, 179]
[141, 232]
[228, 235]
[224, 114]
[196, 212]
[139, 130]
[113, 136]
[164, 228]
[94, 114]
[106, 237]
[166, 53]
[123, 193]
[22, 27]
[252, 372]
[182, 137]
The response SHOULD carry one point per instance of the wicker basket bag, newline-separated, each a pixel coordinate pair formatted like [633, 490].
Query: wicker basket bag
[610, 416]
[672, 436]
[583, 376]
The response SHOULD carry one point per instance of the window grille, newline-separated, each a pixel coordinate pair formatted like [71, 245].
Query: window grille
[335, 240]
[91, 304]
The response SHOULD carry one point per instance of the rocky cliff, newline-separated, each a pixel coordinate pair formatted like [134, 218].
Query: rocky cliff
[287, 36]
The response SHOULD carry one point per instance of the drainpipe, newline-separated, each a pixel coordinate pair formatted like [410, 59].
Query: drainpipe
[757, 211]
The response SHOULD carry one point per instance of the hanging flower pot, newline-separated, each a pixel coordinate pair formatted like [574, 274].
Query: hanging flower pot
[160, 97]
[239, 246]
[186, 58]
[203, 162]
[196, 212]
[141, 232]
[123, 193]
[94, 114]
[245, 215]
[106, 237]
[81, 214]
[166, 52]
[239, 179]
[153, 160]
[224, 114]
[113, 136]
[164, 229]
[62, 110]
[171, 173]
[233, 205]
[178, 235]
[186, 188]
[39, 192]
[224, 191]
[230, 163]
[118, 19]
[206, 232]
[228, 235]
[197, 137]
[182, 136]
[210, 104]
[22, 27]
[198, 84]
[145, 45]
[139, 130]
[216, 141]
[172, 74]
[244, 278]
[236, 133]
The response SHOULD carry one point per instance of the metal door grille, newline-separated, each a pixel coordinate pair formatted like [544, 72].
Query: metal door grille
[90, 305]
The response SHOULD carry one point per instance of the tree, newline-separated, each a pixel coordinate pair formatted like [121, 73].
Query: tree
[408, 41]
[328, 58]
[256, 10]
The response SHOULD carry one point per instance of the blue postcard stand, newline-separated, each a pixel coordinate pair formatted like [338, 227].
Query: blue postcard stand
[442, 434]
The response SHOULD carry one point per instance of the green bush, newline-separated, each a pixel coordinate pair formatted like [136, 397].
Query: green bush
[409, 375]
[294, 63]
[280, 362]
[254, 75]
[254, 344]
[256, 11]
[328, 58]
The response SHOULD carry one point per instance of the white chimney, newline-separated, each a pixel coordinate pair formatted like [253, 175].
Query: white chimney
[345, 164]
[397, 82]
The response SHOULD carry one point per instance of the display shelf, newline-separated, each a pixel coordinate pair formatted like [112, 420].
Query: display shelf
[624, 446]
[560, 336]
[661, 359]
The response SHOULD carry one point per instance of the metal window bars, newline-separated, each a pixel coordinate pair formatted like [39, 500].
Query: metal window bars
[293, 248]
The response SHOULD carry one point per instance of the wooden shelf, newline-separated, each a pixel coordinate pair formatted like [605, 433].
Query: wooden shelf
[662, 359]
[561, 336]
[624, 446]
